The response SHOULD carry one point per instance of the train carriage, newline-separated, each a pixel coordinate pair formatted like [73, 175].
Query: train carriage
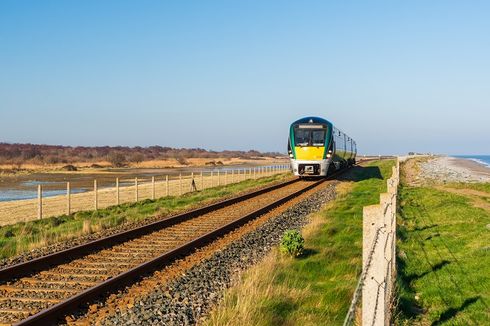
[316, 147]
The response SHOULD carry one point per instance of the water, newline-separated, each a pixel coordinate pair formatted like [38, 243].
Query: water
[25, 186]
[14, 194]
[482, 159]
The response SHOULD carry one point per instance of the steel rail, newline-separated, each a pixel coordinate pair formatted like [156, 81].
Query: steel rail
[57, 258]
[54, 313]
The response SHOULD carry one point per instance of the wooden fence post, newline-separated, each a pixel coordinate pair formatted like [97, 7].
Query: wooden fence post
[39, 202]
[68, 198]
[95, 195]
[153, 187]
[136, 189]
[180, 184]
[202, 181]
[117, 191]
[193, 183]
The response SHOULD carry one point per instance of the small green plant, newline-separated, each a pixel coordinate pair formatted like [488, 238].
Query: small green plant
[292, 243]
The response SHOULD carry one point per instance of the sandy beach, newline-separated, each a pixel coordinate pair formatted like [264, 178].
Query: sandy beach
[451, 169]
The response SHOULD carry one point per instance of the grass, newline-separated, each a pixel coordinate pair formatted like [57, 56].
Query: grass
[316, 288]
[24, 236]
[483, 187]
[443, 258]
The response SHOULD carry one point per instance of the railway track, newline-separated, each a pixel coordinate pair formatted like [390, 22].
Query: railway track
[43, 290]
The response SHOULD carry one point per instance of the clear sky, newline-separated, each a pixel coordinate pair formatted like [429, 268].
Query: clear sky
[397, 76]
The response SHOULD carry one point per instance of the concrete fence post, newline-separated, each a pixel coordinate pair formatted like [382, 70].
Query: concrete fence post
[226, 177]
[117, 191]
[166, 185]
[95, 195]
[232, 176]
[68, 198]
[153, 187]
[39, 202]
[371, 232]
[211, 182]
[219, 181]
[379, 256]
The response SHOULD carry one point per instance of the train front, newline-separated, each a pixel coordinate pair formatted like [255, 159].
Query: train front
[309, 146]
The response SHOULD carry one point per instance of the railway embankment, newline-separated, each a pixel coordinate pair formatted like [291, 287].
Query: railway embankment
[54, 285]
[443, 249]
[188, 297]
[316, 288]
[28, 240]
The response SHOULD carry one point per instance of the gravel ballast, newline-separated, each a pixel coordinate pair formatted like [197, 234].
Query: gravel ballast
[188, 299]
[80, 240]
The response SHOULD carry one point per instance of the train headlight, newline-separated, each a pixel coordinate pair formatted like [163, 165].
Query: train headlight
[291, 155]
[329, 155]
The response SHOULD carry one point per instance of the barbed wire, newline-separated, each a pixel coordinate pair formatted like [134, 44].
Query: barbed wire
[349, 318]
[388, 278]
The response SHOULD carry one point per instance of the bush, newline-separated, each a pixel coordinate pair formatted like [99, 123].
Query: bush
[292, 243]
[116, 159]
[136, 158]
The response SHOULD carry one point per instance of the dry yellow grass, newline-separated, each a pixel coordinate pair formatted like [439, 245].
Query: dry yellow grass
[166, 163]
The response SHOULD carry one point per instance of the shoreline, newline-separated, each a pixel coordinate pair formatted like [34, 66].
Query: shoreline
[476, 167]
[455, 169]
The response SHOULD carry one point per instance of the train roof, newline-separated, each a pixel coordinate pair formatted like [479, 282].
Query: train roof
[312, 120]
[319, 121]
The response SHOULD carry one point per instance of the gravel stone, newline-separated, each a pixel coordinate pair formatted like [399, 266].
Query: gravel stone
[188, 299]
[67, 244]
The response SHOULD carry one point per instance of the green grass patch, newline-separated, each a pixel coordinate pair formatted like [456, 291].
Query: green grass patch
[317, 287]
[443, 258]
[24, 236]
[484, 187]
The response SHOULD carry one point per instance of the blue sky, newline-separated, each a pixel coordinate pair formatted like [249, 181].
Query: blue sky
[397, 76]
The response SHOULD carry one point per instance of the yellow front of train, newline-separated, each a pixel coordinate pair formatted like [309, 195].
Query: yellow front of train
[309, 147]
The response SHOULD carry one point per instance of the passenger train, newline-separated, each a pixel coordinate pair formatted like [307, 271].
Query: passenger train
[317, 148]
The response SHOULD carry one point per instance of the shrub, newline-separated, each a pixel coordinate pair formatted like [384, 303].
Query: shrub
[292, 243]
[136, 158]
[116, 159]
[182, 160]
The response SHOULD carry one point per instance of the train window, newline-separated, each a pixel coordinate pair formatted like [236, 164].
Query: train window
[309, 137]
[318, 137]
[302, 137]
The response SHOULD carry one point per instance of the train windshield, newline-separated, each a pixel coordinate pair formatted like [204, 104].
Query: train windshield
[309, 136]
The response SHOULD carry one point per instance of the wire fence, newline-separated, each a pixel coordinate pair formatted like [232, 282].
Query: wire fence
[125, 190]
[372, 302]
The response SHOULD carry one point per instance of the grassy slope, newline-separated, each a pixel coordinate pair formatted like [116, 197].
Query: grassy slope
[484, 187]
[444, 261]
[315, 289]
[21, 237]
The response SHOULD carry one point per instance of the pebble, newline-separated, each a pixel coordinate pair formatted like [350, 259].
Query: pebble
[443, 170]
[187, 300]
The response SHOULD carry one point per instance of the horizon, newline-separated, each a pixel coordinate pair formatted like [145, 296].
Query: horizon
[396, 77]
[239, 150]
